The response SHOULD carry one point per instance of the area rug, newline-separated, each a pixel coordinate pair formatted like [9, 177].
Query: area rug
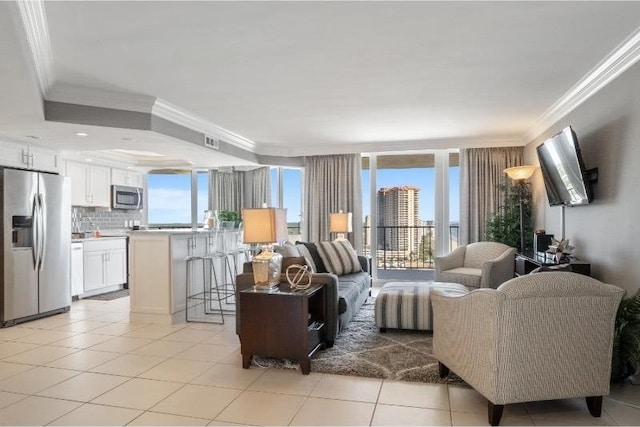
[110, 295]
[361, 350]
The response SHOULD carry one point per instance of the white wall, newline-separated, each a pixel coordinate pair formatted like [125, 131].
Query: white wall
[606, 233]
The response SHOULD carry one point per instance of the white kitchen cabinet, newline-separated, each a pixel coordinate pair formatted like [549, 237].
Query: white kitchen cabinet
[126, 177]
[105, 263]
[90, 184]
[28, 156]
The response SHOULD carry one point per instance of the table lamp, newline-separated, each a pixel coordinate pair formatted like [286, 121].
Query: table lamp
[265, 226]
[340, 223]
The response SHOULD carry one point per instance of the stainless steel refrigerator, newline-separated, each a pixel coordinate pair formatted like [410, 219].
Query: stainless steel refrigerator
[36, 245]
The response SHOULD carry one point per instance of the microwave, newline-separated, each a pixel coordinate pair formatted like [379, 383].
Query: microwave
[123, 197]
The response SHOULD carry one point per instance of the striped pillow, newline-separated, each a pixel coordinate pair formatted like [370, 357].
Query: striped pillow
[339, 257]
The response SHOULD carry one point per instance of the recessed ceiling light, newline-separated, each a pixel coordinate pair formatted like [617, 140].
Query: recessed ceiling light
[88, 160]
[82, 134]
[33, 137]
[191, 162]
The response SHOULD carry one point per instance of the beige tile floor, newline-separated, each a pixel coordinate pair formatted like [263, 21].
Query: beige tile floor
[92, 367]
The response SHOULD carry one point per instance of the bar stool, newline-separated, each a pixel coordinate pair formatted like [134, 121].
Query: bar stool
[238, 250]
[219, 252]
[206, 298]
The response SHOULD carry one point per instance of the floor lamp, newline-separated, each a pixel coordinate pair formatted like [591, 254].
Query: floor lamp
[519, 174]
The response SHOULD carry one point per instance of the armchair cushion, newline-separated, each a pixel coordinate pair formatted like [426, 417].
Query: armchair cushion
[477, 265]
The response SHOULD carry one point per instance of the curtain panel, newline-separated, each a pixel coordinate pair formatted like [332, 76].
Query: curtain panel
[481, 172]
[332, 183]
[257, 188]
[234, 190]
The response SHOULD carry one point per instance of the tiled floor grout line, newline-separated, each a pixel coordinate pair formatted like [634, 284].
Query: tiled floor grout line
[191, 334]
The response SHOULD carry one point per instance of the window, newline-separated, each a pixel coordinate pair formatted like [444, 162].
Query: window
[405, 224]
[275, 185]
[454, 200]
[288, 183]
[203, 195]
[169, 198]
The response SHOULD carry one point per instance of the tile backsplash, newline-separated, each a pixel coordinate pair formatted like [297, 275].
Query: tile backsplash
[104, 219]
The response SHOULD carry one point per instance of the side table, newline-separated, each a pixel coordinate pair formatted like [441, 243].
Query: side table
[282, 323]
[526, 262]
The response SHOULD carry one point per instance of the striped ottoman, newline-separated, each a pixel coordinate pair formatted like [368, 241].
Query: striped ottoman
[406, 305]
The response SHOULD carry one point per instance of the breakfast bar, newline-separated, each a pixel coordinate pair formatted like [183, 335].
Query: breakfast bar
[158, 269]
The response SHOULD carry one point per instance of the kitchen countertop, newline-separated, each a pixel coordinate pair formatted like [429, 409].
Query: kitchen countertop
[85, 239]
[170, 231]
[119, 234]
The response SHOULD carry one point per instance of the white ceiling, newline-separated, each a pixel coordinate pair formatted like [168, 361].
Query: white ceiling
[316, 77]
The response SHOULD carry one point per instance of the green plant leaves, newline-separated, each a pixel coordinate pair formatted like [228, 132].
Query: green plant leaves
[504, 225]
[626, 340]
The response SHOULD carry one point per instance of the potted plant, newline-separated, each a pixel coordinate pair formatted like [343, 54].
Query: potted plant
[229, 217]
[504, 225]
[626, 339]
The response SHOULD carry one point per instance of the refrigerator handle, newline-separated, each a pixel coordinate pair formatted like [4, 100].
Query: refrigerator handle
[35, 250]
[43, 230]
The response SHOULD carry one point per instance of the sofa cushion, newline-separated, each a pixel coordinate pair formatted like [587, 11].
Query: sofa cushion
[350, 287]
[317, 260]
[339, 257]
[291, 260]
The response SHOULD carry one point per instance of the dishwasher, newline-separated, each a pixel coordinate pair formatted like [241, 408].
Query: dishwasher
[77, 269]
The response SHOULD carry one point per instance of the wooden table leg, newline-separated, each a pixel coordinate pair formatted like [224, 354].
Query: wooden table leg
[246, 361]
[305, 366]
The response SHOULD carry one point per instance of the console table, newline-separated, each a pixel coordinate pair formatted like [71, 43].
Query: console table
[527, 262]
[282, 323]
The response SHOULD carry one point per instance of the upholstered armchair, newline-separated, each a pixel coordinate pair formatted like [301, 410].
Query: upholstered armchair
[477, 265]
[537, 337]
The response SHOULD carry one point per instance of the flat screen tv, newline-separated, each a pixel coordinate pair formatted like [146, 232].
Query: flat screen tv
[565, 177]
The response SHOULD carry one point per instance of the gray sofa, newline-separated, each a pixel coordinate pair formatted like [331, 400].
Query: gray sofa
[345, 295]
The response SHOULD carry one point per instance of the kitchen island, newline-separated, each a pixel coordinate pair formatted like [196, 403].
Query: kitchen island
[158, 269]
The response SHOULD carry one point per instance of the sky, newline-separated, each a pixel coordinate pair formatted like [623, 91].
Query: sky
[170, 195]
[170, 198]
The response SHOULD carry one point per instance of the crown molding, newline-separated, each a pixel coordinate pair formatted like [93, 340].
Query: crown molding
[390, 146]
[34, 23]
[614, 64]
[180, 116]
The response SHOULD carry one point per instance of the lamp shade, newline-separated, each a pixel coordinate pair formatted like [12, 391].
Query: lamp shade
[519, 173]
[340, 222]
[264, 225]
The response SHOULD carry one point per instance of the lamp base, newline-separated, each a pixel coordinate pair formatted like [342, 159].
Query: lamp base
[267, 266]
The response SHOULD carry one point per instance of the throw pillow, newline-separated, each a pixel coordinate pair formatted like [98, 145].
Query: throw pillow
[286, 250]
[339, 257]
[307, 257]
[315, 256]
